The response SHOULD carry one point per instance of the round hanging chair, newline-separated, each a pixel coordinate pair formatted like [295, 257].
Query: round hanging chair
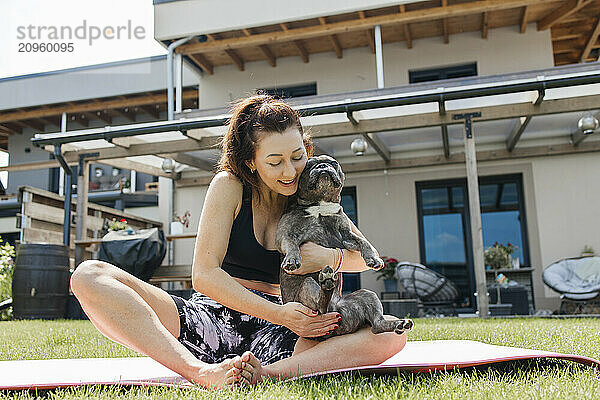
[575, 278]
[425, 284]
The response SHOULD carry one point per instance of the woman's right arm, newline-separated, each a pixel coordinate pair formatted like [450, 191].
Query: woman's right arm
[222, 200]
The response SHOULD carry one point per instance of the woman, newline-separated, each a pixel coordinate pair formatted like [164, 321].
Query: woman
[238, 310]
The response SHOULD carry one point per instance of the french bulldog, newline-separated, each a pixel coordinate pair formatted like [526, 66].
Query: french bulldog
[314, 214]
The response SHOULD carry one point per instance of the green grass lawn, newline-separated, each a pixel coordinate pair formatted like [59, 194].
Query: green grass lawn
[562, 380]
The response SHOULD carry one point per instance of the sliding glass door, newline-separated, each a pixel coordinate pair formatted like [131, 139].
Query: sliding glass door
[445, 232]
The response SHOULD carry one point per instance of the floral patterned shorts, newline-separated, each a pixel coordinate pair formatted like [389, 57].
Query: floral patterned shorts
[213, 332]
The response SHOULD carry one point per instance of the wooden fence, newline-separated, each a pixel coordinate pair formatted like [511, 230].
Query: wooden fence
[42, 216]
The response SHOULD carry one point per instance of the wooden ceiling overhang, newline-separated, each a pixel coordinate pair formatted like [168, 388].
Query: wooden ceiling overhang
[574, 24]
[81, 113]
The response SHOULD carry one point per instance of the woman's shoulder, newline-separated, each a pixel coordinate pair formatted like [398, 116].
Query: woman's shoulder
[228, 188]
[227, 180]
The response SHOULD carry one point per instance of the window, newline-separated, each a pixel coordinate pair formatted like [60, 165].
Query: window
[439, 73]
[309, 89]
[445, 231]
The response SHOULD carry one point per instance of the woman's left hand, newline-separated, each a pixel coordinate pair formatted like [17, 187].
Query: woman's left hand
[313, 258]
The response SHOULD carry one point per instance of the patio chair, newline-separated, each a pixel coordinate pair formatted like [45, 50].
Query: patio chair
[434, 290]
[578, 281]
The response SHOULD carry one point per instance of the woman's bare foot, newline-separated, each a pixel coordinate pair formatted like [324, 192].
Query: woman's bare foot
[230, 372]
[248, 369]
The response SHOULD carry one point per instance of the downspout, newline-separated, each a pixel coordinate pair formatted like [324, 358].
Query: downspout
[170, 117]
[379, 57]
[170, 78]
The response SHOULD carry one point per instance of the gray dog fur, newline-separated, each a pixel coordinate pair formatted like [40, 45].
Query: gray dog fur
[314, 214]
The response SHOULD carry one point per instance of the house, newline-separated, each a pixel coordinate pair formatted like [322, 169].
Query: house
[399, 74]
[92, 96]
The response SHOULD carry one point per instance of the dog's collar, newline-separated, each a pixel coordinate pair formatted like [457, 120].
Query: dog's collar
[324, 208]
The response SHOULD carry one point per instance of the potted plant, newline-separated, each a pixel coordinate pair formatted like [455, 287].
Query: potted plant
[388, 274]
[498, 255]
[179, 222]
[119, 225]
[587, 251]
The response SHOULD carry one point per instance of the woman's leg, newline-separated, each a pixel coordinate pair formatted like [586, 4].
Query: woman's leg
[144, 318]
[345, 351]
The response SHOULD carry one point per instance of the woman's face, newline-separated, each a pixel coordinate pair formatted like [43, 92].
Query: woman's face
[279, 160]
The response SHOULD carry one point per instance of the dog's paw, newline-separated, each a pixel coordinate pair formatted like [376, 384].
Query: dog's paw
[403, 325]
[290, 263]
[375, 263]
[327, 278]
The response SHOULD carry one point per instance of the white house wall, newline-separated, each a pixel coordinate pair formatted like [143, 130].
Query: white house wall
[504, 51]
[567, 198]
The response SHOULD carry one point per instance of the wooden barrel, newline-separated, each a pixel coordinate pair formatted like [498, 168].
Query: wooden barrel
[40, 286]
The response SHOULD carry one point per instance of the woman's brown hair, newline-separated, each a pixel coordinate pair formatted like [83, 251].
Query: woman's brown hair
[250, 116]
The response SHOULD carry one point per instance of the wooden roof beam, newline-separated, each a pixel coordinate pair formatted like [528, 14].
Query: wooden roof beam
[569, 7]
[407, 35]
[101, 115]
[335, 42]
[590, 42]
[36, 126]
[412, 16]
[192, 161]
[152, 110]
[567, 46]
[299, 45]
[516, 132]
[484, 24]
[92, 106]
[9, 130]
[379, 146]
[236, 58]
[11, 127]
[50, 121]
[202, 63]
[150, 148]
[136, 166]
[302, 49]
[126, 113]
[524, 17]
[445, 24]
[269, 54]
[370, 33]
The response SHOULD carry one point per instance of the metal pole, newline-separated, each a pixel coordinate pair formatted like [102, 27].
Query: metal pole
[178, 82]
[475, 214]
[170, 50]
[68, 174]
[83, 180]
[379, 57]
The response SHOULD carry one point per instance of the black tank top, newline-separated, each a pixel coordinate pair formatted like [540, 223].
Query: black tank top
[245, 257]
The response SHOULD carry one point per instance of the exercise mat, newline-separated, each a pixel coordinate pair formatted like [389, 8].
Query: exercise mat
[416, 357]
